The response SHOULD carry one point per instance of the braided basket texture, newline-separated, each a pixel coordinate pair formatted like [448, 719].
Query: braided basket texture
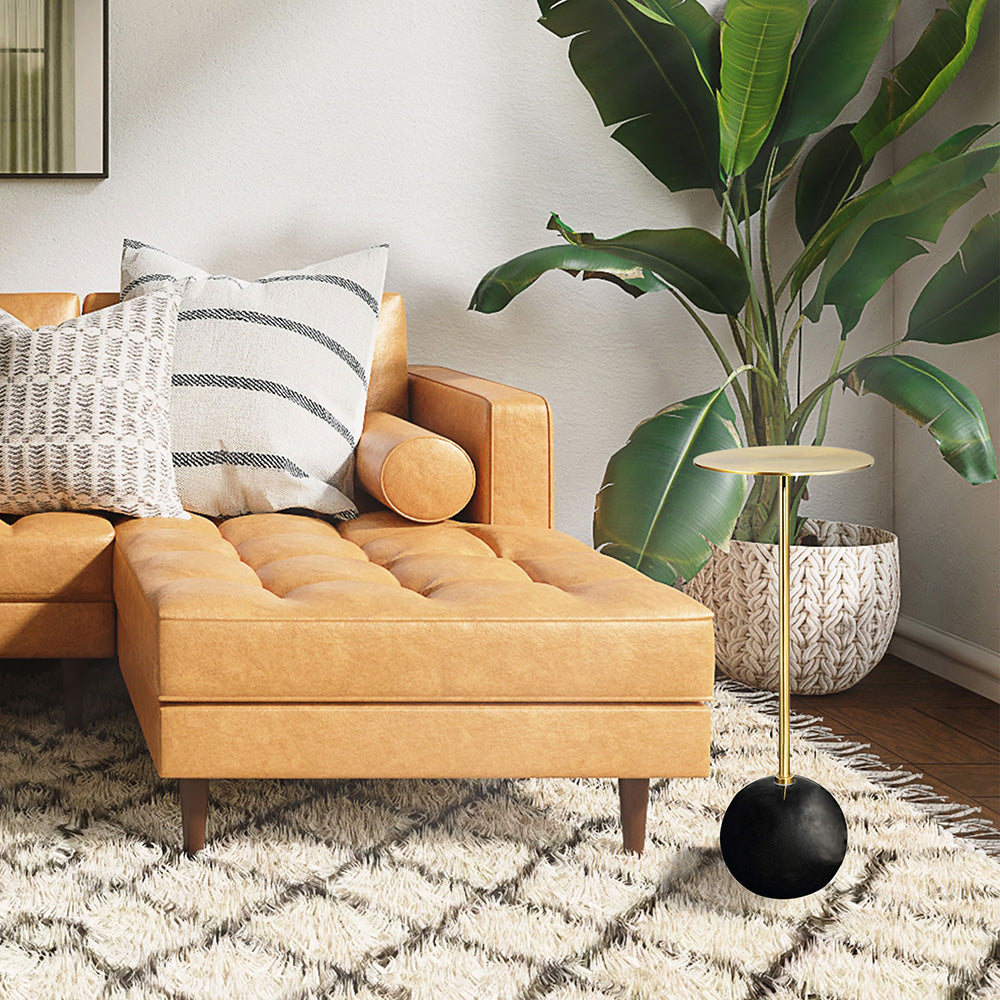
[844, 603]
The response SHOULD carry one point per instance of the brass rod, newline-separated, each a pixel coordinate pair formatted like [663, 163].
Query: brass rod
[784, 635]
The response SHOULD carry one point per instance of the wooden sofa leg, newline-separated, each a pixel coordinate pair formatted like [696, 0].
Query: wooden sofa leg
[74, 677]
[194, 813]
[633, 793]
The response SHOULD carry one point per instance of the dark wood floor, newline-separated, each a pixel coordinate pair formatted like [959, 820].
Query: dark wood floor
[923, 723]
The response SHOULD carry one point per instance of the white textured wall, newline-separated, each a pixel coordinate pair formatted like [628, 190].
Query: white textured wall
[249, 136]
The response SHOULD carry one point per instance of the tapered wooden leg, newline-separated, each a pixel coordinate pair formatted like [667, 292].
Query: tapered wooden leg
[74, 676]
[194, 813]
[633, 793]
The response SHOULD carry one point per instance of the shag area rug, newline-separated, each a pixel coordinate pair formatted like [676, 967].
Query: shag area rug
[464, 890]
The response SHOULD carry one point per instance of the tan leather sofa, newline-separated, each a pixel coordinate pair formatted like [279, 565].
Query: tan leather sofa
[281, 645]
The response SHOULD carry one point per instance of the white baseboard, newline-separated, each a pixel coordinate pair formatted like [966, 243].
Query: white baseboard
[949, 656]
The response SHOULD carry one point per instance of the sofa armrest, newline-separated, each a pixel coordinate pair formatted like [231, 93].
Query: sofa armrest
[506, 432]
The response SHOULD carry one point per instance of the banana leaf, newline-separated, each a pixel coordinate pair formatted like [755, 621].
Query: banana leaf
[500, 285]
[691, 261]
[822, 241]
[656, 510]
[756, 42]
[939, 403]
[915, 84]
[644, 77]
[698, 26]
[831, 172]
[885, 248]
[924, 180]
[962, 301]
[840, 40]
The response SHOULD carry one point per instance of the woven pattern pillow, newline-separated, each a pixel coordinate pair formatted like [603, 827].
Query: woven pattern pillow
[84, 412]
[270, 379]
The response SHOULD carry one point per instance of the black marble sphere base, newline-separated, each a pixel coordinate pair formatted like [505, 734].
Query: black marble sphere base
[783, 841]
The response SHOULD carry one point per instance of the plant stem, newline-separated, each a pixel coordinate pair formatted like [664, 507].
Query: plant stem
[741, 347]
[824, 410]
[741, 399]
[765, 262]
[801, 413]
[787, 353]
[741, 248]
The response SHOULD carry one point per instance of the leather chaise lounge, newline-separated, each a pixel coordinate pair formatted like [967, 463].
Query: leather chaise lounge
[282, 645]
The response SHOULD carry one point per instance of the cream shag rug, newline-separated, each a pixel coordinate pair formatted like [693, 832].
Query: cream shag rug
[463, 890]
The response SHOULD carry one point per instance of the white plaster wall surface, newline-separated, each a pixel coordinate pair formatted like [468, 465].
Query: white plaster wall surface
[949, 531]
[248, 136]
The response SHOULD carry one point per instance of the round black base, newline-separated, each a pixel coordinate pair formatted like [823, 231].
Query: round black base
[783, 841]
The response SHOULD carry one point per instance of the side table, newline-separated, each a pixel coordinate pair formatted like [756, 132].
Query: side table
[784, 836]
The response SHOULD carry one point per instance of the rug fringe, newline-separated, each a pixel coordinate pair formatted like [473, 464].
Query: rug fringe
[951, 816]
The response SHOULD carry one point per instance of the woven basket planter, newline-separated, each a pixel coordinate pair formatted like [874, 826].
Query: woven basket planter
[844, 603]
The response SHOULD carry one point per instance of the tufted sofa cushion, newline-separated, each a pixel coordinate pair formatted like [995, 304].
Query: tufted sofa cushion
[286, 608]
[58, 555]
[55, 585]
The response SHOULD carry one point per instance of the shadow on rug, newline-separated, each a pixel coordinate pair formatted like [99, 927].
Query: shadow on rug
[462, 890]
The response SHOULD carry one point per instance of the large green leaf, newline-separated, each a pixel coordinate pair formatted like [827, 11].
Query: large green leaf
[756, 42]
[691, 261]
[643, 74]
[938, 403]
[823, 240]
[500, 285]
[831, 172]
[839, 43]
[915, 84]
[886, 247]
[656, 510]
[920, 182]
[962, 301]
[698, 26]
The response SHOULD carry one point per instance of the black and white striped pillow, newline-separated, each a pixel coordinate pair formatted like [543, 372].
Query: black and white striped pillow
[270, 379]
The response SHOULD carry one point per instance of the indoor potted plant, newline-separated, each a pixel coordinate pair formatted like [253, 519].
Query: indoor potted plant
[738, 109]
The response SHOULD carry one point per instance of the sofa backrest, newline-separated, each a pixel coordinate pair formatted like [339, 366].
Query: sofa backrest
[37, 309]
[387, 389]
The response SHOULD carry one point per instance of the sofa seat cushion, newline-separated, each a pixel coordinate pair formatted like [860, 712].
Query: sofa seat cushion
[56, 556]
[287, 608]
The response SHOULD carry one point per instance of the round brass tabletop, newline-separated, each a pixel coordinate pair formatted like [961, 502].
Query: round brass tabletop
[785, 460]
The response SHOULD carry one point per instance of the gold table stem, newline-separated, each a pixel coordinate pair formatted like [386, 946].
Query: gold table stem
[784, 635]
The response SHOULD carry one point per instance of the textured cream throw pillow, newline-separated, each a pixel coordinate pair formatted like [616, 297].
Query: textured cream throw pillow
[270, 379]
[84, 412]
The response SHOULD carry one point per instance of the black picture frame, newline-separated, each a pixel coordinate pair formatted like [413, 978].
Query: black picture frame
[83, 175]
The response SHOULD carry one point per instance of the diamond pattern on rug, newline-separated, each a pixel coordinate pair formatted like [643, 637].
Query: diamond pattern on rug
[447, 890]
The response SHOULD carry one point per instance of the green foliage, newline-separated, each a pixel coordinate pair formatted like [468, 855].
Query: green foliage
[731, 108]
[664, 110]
[840, 40]
[914, 86]
[886, 246]
[962, 301]
[695, 263]
[831, 172]
[698, 26]
[936, 401]
[909, 192]
[757, 40]
[656, 510]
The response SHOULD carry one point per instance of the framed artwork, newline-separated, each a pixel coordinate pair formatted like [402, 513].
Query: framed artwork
[53, 88]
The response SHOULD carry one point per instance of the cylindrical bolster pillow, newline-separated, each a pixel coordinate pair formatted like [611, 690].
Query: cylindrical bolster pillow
[415, 472]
